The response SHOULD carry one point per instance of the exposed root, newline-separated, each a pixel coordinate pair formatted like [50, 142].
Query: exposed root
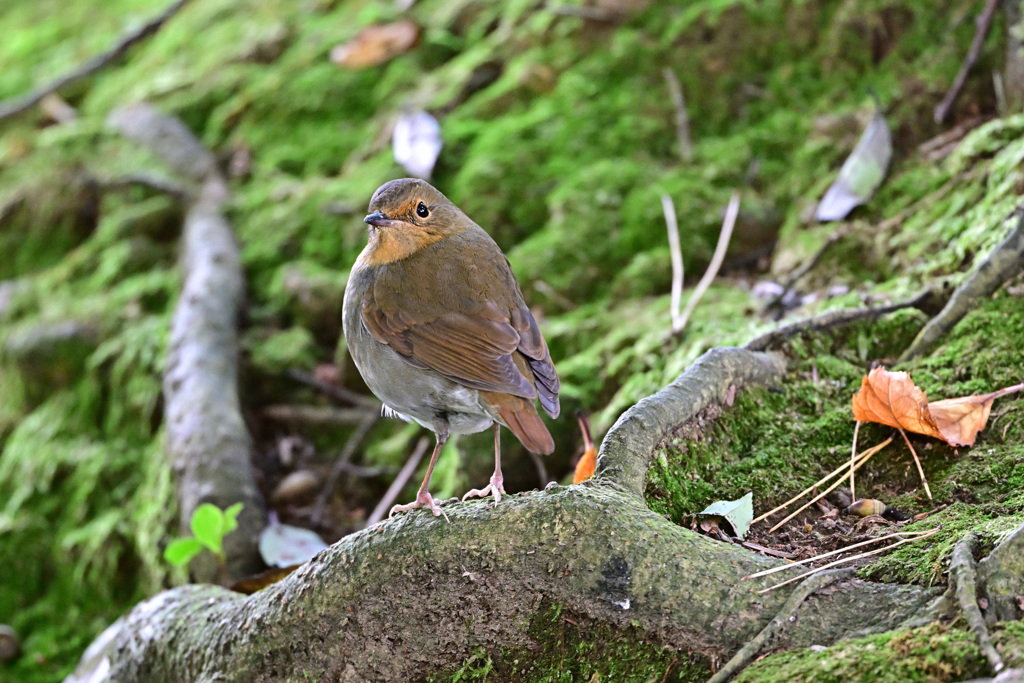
[1002, 264]
[778, 624]
[963, 581]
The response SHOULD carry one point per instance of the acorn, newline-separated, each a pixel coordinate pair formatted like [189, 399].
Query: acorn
[865, 507]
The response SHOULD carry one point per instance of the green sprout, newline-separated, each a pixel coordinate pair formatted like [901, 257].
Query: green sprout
[209, 527]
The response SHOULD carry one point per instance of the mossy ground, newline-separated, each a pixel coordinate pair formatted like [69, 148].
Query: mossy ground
[560, 141]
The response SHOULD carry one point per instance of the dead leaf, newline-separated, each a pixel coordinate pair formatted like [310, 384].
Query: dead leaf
[960, 419]
[588, 462]
[892, 398]
[376, 44]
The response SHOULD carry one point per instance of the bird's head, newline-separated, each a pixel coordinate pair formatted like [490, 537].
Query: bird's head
[407, 215]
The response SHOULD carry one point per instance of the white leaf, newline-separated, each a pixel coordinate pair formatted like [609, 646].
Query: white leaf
[861, 174]
[417, 143]
[282, 545]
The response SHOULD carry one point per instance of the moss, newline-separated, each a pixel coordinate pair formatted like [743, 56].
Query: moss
[279, 351]
[569, 647]
[933, 654]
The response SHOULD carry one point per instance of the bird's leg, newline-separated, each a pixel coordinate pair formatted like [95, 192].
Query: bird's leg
[423, 497]
[497, 485]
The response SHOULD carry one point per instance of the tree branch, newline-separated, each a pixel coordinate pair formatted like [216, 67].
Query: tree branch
[18, 105]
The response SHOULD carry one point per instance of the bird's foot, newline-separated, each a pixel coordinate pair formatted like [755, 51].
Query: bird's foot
[495, 488]
[423, 500]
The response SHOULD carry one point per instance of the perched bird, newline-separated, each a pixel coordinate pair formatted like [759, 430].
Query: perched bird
[437, 326]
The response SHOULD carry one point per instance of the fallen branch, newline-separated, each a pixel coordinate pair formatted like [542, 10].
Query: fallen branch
[207, 442]
[317, 415]
[1002, 264]
[983, 22]
[333, 391]
[22, 103]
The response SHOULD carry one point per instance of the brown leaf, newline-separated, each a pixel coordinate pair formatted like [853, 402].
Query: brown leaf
[376, 44]
[891, 398]
[960, 419]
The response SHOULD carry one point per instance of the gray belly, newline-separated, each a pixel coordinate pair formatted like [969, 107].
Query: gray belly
[410, 392]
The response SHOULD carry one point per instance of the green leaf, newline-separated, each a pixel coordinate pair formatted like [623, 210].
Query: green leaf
[180, 551]
[738, 513]
[208, 525]
[231, 519]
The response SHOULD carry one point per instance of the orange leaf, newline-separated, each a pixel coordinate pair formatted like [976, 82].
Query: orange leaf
[588, 462]
[891, 398]
[376, 44]
[960, 419]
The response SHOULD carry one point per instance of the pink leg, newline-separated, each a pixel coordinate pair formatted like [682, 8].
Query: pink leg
[423, 497]
[496, 487]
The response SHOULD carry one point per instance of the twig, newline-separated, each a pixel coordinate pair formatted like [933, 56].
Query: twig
[317, 415]
[816, 485]
[401, 479]
[898, 534]
[542, 470]
[963, 579]
[339, 465]
[776, 302]
[867, 456]
[785, 616]
[1003, 263]
[853, 456]
[675, 92]
[858, 556]
[983, 22]
[731, 212]
[677, 260]
[830, 319]
[332, 390]
[917, 461]
[17, 105]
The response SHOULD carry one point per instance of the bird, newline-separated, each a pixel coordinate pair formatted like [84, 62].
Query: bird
[437, 326]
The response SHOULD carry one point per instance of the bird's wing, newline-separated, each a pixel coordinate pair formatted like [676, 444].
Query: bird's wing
[463, 318]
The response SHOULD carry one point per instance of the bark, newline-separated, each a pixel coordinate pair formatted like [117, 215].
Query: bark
[207, 442]
[414, 594]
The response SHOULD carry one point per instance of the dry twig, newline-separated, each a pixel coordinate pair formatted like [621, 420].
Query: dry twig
[675, 92]
[983, 22]
[401, 479]
[340, 464]
[677, 260]
[731, 212]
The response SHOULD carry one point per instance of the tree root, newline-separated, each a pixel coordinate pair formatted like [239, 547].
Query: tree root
[622, 460]
[207, 442]
[785, 616]
[962, 579]
[831, 319]
[1002, 264]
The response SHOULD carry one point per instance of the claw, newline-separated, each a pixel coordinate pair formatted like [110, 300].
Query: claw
[495, 488]
[422, 501]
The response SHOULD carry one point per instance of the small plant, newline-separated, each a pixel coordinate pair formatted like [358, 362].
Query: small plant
[209, 527]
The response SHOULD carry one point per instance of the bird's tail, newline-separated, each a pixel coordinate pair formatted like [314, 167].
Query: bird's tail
[520, 415]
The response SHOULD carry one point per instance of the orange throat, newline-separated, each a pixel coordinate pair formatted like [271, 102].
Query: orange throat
[388, 244]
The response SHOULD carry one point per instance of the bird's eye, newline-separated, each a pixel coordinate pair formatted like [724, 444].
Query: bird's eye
[422, 211]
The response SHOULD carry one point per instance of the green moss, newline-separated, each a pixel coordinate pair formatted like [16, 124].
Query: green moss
[570, 648]
[280, 351]
[933, 654]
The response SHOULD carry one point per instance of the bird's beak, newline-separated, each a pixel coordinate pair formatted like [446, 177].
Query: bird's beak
[379, 220]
